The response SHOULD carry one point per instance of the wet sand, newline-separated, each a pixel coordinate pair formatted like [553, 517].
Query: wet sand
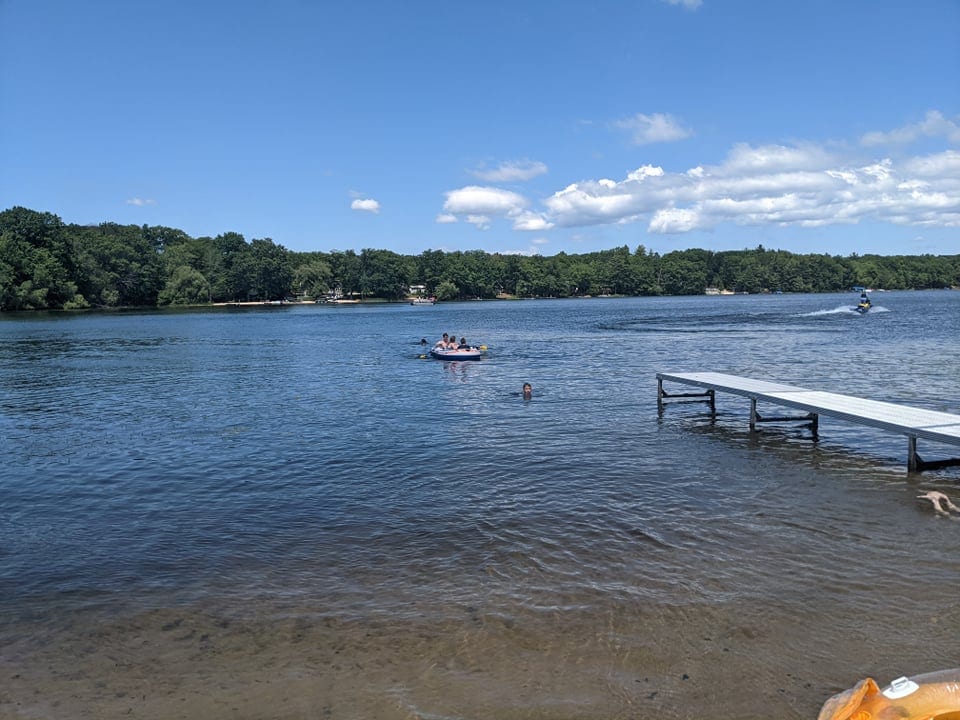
[623, 662]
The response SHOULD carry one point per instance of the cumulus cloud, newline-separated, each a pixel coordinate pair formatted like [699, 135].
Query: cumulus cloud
[744, 159]
[932, 126]
[674, 220]
[770, 185]
[479, 205]
[933, 166]
[791, 185]
[511, 171]
[656, 128]
[531, 221]
[366, 205]
[141, 202]
[476, 200]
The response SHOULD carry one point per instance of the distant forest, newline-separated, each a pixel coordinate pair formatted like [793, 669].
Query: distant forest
[47, 264]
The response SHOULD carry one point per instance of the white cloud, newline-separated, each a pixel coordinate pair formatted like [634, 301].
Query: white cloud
[641, 173]
[656, 128]
[674, 220]
[531, 221]
[798, 186]
[480, 205]
[141, 202]
[747, 160]
[686, 4]
[511, 171]
[481, 222]
[485, 200]
[366, 205]
[792, 185]
[932, 126]
[590, 203]
[943, 164]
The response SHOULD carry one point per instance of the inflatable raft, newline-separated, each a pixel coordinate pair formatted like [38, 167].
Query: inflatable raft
[931, 696]
[458, 354]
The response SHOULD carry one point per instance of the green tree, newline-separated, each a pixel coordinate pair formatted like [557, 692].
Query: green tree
[511, 274]
[578, 278]
[446, 290]
[187, 286]
[117, 265]
[346, 271]
[431, 268]
[196, 253]
[47, 264]
[385, 274]
[230, 276]
[459, 274]
[313, 278]
[36, 268]
[269, 270]
[680, 275]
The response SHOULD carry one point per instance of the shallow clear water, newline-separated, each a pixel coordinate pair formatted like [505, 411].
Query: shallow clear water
[287, 512]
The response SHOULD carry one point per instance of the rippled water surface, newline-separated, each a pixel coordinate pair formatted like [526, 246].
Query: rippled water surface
[289, 512]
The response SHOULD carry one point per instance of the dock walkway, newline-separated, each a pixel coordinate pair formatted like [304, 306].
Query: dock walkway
[913, 422]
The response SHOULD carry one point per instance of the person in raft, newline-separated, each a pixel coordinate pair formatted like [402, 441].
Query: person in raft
[447, 342]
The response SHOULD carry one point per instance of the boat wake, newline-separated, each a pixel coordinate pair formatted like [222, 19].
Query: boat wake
[844, 310]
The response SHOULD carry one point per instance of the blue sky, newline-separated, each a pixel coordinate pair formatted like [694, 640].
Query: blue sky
[506, 126]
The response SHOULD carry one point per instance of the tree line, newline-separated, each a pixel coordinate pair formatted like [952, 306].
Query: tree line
[48, 264]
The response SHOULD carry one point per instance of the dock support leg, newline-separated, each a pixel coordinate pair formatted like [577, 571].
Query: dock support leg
[753, 414]
[815, 425]
[662, 396]
[913, 462]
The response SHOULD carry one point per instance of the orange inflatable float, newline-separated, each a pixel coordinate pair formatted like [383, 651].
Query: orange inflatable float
[931, 696]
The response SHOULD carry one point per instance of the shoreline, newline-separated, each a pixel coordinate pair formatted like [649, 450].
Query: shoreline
[380, 301]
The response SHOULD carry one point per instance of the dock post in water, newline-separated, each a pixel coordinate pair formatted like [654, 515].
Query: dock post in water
[812, 419]
[708, 397]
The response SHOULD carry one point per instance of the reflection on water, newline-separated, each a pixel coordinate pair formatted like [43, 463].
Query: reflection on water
[288, 513]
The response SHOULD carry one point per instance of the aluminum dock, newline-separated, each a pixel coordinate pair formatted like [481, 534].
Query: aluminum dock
[913, 422]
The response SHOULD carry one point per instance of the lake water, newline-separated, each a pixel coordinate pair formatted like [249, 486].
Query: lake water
[286, 512]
